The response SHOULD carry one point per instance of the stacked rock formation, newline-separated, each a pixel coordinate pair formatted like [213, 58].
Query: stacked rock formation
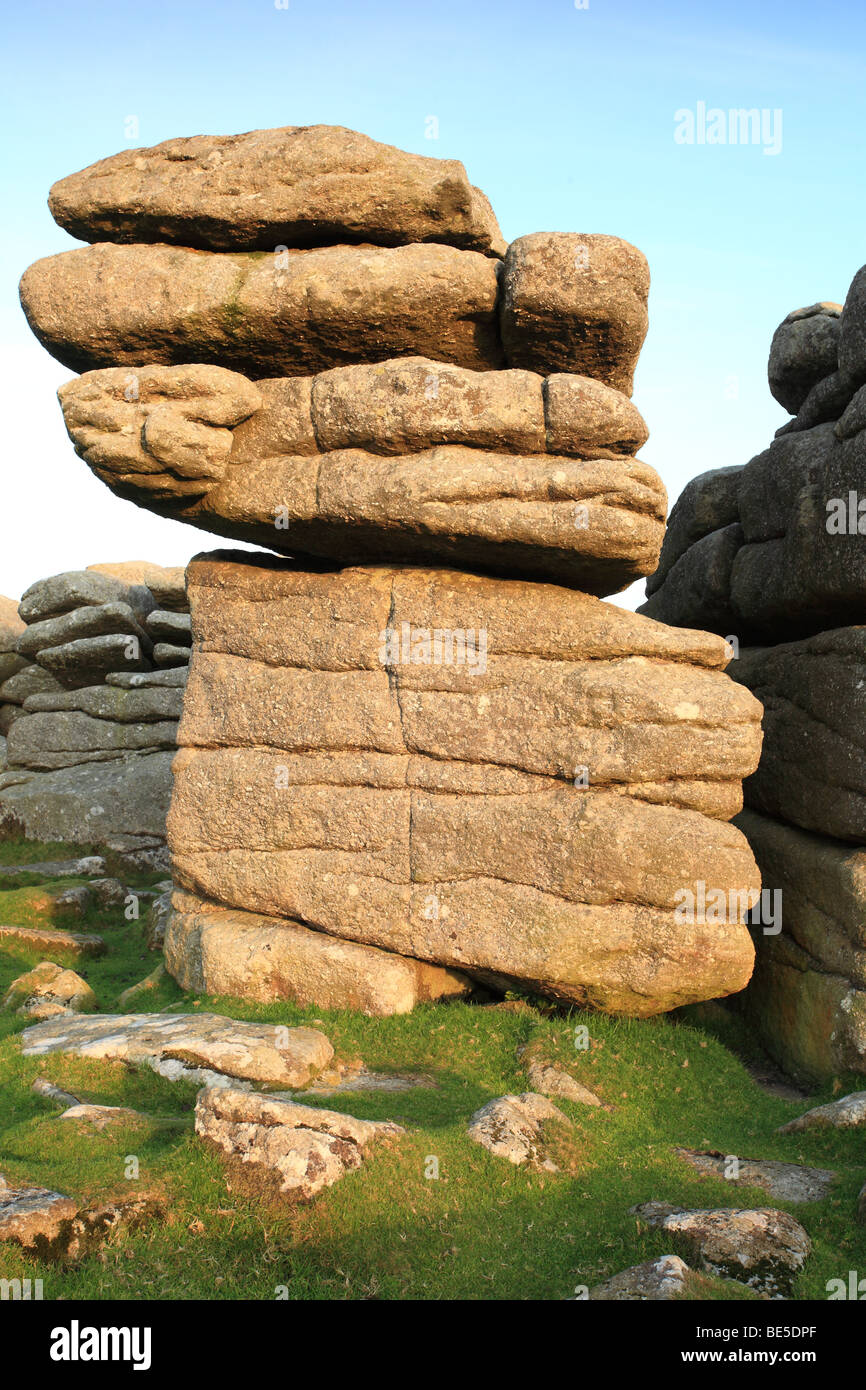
[773, 556]
[417, 753]
[90, 705]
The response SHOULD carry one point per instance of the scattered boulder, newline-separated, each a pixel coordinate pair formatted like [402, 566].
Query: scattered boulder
[47, 990]
[35, 1218]
[207, 1048]
[512, 1127]
[108, 892]
[847, 1113]
[57, 1228]
[654, 1281]
[75, 901]
[300, 1149]
[100, 1116]
[786, 1182]
[763, 1248]
[550, 1080]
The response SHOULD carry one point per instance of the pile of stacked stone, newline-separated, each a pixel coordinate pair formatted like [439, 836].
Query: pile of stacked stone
[773, 556]
[417, 752]
[91, 698]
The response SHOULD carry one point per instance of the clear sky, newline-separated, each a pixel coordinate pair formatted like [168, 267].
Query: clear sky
[566, 116]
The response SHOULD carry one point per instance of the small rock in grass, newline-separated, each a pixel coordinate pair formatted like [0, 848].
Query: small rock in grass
[763, 1248]
[299, 1148]
[512, 1128]
[847, 1113]
[654, 1281]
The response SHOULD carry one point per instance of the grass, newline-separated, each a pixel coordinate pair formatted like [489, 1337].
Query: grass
[482, 1229]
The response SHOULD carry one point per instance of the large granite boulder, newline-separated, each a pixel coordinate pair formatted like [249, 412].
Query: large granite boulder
[109, 305]
[297, 186]
[507, 779]
[408, 460]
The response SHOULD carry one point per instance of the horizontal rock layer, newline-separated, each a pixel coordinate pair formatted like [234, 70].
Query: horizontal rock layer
[407, 460]
[561, 302]
[392, 756]
[296, 186]
[221, 951]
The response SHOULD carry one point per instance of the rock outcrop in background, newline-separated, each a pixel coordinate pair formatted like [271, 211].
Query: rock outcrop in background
[419, 754]
[772, 555]
[92, 692]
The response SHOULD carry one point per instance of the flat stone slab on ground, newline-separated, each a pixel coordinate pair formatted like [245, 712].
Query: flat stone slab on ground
[849, 1112]
[760, 1247]
[786, 1182]
[91, 866]
[51, 941]
[207, 1048]
[304, 1148]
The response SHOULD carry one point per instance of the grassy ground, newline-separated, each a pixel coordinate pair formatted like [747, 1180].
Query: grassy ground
[482, 1229]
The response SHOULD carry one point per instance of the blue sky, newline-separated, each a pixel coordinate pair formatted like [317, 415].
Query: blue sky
[565, 116]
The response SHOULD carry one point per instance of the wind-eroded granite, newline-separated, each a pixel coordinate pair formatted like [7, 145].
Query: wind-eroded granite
[408, 460]
[426, 797]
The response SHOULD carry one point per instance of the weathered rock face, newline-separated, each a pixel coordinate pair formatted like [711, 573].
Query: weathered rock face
[410, 460]
[807, 997]
[849, 1112]
[812, 771]
[298, 186]
[772, 556]
[336, 773]
[394, 782]
[300, 1149]
[88, 753]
